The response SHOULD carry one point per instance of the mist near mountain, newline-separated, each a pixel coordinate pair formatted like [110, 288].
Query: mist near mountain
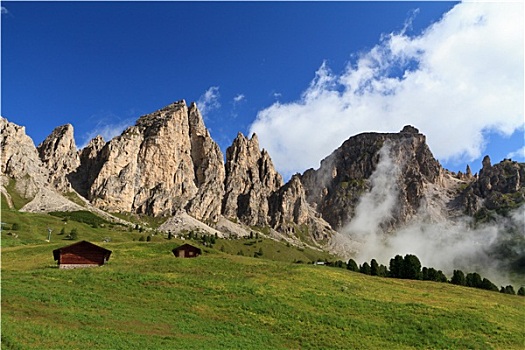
[491, 249]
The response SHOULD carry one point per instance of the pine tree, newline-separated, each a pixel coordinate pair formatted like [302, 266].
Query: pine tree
[458, 278]
[383, 271]
[473, 280]
[352, 265]
[411, 267]
[374, 268]
[488, 285]
[365, 268]
[396, 266]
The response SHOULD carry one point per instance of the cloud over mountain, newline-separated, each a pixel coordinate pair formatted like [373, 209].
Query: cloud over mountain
[459, 79]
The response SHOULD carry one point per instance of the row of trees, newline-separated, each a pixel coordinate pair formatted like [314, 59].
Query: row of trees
[409, 267]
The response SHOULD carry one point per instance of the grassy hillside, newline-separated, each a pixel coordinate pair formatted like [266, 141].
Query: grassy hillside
[226, 299]
[146, 298]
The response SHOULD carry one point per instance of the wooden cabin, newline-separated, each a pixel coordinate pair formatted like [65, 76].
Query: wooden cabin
[81, 254]
[187, 251]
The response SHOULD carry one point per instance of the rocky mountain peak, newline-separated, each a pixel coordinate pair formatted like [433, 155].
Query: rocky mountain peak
[486, 163]
[410, 129]
[250, 179]
[335, 188]
[158, 166]
[59, 154]
[20, 160]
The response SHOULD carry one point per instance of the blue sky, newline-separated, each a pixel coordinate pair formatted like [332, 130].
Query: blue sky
[304, 76]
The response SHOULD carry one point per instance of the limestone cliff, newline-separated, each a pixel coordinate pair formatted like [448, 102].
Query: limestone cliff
[498, 188]
[160, 165]
[59, 154]
[290, 213]
[20, 160]
[336, 187]
[250, 180]
[90, 164]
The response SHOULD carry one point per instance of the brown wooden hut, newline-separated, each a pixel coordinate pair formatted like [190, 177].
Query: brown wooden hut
[187, 251]
[81, 254]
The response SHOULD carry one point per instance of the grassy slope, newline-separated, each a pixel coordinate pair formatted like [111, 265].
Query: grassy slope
[146, 298]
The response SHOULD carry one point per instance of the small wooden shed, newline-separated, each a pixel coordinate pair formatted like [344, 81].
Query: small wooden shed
[81, 254]
[187, 251]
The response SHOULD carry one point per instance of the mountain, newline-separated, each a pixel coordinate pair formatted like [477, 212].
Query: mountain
[168, 164]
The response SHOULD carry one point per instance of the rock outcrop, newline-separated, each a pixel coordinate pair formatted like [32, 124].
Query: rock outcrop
[499, 187]
[250, 180]
[336, 187]
[20, 161]
[59, 154]
[290, 213]
[166, 162]
[90, 164]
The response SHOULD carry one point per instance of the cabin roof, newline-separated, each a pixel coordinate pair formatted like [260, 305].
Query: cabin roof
[186, 245]
[83, 244]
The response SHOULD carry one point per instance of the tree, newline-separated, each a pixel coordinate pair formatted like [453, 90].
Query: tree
[424, 274]
[62, 231]
[383, 271]
[170, 235]
[473, 280]
[488, 285]
[441, 277]
[374, 267]
[148, 238]
[396, 266]
[521, 291]
[15, 227]
[352, 265]
[411, 267]
[73, 235]
[458, 277]
[508, 290]
[365, 268]
[431, 274]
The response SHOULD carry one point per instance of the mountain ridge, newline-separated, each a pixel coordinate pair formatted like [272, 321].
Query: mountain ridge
[167, 163]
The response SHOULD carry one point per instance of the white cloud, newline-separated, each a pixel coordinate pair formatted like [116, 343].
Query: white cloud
[4, 10]
[238, 98]
[518, 154]
[462, 77]
[209, 100]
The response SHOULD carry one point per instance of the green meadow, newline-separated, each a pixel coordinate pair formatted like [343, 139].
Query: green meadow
[146, 298]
